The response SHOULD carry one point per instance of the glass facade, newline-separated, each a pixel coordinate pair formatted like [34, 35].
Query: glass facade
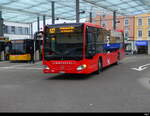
[17, 30]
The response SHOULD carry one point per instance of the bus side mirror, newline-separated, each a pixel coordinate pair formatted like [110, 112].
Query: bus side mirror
[92, 52]
[108, 52]
[38, 35]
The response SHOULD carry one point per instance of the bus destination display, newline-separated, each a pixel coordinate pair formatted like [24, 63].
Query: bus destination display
[64, 30]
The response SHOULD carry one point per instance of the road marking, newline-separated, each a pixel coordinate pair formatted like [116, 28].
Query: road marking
[19, 65]
[4, 61]
[21, 68]
[141, 68]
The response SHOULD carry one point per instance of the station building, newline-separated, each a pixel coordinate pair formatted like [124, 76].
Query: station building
[17, 30]
[12, 31]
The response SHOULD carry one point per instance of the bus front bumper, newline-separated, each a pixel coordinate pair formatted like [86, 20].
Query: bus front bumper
[66, 72]
[69, 70]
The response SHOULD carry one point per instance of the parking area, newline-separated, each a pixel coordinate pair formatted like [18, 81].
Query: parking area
[119, 88]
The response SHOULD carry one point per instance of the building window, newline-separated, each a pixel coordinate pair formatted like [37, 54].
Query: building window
[6, 29]
[103, 23]
[140, 33]
[149, 21]
[126, 22]
[26, 31]
[126, 27]
[12, 29]
[139, 22]
[126, 34]
[149, 33]
[20, 30]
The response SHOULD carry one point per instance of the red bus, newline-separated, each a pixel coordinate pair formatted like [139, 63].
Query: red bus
[80, 48]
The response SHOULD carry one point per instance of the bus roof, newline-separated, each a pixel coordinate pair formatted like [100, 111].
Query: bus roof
[64, 24]
[93, 25]
[79, 24]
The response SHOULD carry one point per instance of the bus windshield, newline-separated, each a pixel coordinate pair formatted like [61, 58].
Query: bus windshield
[18, 48]
[64, 46]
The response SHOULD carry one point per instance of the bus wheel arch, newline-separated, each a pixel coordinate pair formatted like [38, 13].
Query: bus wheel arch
[118, 58]
[99, 65]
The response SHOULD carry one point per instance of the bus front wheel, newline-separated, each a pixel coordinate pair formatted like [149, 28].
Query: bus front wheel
[99, 67]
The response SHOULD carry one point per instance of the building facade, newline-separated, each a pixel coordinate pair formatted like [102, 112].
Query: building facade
[17, 30]
[142, 33]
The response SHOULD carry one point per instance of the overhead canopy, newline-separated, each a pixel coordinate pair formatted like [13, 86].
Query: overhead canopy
[26, 11]
[126, 7]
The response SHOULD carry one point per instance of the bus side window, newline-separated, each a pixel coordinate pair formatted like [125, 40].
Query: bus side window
[91, 44]
[99, 41]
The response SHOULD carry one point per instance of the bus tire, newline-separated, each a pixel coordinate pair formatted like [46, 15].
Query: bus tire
[118, 59]
[99, 67]
[118, 56]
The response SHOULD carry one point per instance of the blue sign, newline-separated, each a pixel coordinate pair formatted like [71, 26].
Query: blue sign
[112, 46]
[141, 43]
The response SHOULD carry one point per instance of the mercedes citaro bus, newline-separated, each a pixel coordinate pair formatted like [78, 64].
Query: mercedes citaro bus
[80, 48]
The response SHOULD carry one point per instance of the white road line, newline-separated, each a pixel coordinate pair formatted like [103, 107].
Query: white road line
[141, 68]
[4, 61]
[38, 63]
[21, 68]
[20, 65]
[25, 65]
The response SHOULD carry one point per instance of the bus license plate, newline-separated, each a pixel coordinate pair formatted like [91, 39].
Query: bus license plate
[61, 72]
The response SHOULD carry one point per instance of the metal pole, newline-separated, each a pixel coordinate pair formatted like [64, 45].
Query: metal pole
[114, 20]
[44, 21]
[31, 30]
[53, 12]
[34, 52]
[90, 17]
[1, 25]
[38, 23]
[77, 11]
[100, 20]
[0, 14]
[38, 29]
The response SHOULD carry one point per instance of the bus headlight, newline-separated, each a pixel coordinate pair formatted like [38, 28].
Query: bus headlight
[81, 67]
[46, 67]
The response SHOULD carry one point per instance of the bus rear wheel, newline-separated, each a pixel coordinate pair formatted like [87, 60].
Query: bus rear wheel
[99, 67]
[118, 59]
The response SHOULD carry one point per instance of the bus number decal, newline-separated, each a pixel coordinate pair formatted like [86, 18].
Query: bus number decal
[52, 30]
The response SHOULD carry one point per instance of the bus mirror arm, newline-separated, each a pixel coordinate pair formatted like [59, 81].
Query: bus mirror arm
[38, 35]
[91, 53]
[108, 52]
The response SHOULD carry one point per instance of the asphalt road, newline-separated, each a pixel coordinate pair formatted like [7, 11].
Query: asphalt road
[119, 88]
